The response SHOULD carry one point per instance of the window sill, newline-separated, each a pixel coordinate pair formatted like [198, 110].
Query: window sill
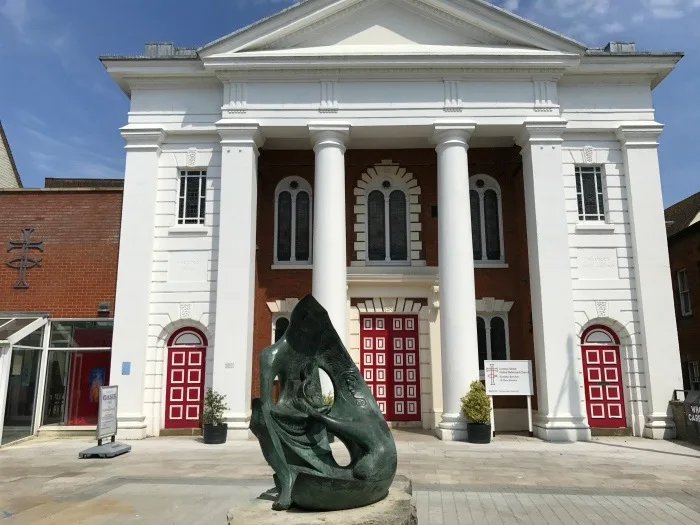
[291, 266]
[188, 229]
[599, 227]
[487, 264]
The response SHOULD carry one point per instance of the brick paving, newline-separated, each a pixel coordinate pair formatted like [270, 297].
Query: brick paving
[512, 480]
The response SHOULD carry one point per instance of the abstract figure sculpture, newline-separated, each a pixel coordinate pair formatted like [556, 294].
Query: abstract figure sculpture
[293, 432]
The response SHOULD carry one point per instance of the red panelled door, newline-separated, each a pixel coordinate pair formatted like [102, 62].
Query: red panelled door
[184, 392]
[602, 379]
[390, 364]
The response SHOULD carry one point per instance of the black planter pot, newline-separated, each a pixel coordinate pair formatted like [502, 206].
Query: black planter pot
[479, 433]
[214, 434]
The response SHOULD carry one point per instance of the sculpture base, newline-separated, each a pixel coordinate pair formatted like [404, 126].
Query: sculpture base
[396, 509]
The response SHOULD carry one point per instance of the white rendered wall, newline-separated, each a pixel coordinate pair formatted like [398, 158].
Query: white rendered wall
[602, 265]
[184, 266]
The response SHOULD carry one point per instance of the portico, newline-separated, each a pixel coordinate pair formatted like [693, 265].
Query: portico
[433, 174]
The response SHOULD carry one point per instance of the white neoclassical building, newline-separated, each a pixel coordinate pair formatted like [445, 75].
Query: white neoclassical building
[452, 182]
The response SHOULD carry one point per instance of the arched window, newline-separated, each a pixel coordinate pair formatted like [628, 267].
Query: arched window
[292, 221]
[387, 224]
[187, 337]
[487, 221]
[492, 338]
[387, 209]
[281, 325]
[600, 335]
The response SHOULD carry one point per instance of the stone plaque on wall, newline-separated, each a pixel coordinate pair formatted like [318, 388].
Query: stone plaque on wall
[597, 263]
[187, 267]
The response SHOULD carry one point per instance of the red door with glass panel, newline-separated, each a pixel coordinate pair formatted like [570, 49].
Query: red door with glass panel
[184, 390]
[390, 364]
[602, 378]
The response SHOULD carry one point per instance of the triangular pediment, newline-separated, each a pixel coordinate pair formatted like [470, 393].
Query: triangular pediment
[345, 24]
[390, 24]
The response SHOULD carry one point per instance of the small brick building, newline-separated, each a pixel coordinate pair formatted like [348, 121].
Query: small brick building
[57, 282]
[683, 229]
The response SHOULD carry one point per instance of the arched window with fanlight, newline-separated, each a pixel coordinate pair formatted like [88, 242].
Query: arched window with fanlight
[387, 224]
[487, 219]
[492, 338]
[292, 221]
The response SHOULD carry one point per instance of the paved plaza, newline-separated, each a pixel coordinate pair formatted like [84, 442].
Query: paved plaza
[512, 480]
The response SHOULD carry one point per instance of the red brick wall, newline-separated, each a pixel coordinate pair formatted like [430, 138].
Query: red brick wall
[511, 284]
[684, 252]
[80, 230]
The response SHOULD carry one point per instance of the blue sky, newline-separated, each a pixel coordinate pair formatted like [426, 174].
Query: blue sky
[62, 112]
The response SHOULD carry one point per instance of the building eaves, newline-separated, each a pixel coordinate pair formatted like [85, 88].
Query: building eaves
[6, 144]
[680, 215]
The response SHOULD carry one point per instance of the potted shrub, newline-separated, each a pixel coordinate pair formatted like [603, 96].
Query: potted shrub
[214, 429]
[476, 409]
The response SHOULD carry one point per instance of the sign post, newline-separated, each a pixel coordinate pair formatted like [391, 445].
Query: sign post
[106, 426]
[509, 378]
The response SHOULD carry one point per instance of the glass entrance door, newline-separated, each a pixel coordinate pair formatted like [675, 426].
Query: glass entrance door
[21, 394]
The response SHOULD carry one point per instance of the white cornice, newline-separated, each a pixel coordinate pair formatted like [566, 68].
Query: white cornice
[554, 65]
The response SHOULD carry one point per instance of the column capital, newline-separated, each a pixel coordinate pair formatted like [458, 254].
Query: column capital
[452, 132]
[325, 134]
[240, 133]
[143, 138]
[639, 134]
[541, 132]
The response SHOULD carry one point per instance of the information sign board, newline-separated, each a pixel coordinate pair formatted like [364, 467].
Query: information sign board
[508, 378]
[107, 412]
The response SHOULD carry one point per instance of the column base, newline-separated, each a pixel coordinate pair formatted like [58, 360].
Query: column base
[659, 426]
[561, 429]
[131, 427]
[239, 428]
[451, 435]
[453, 427]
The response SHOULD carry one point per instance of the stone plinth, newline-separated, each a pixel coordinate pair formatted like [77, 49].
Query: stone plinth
[396, 509]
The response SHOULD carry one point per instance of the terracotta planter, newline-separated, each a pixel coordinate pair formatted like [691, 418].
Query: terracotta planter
[479, 433]
[214, 434]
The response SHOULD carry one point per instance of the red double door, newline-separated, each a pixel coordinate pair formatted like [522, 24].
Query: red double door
[184, 390]
[390, 364]
[602, 379]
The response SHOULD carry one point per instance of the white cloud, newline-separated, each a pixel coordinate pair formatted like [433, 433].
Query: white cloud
[74, 156]
[593, 21]
[16, 12]
[512, 5]
[613, 27]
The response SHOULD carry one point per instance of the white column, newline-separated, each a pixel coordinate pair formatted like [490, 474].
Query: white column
[133, 294]
[235, 286]
[561, 415]
[658, 334]
[459, 349]
[329, 281]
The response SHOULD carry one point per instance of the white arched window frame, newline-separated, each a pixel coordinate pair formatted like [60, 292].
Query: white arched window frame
[387, 186]
[372, 179]
[480, 185]
[488, 309]
[600, 336]
[295, 186]
[188, 339]
[280, 323]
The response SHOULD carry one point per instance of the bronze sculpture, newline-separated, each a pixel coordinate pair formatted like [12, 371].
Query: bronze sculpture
[293, 433]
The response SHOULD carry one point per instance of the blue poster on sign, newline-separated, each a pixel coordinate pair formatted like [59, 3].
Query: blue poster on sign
[126, 368]
[96, 380]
